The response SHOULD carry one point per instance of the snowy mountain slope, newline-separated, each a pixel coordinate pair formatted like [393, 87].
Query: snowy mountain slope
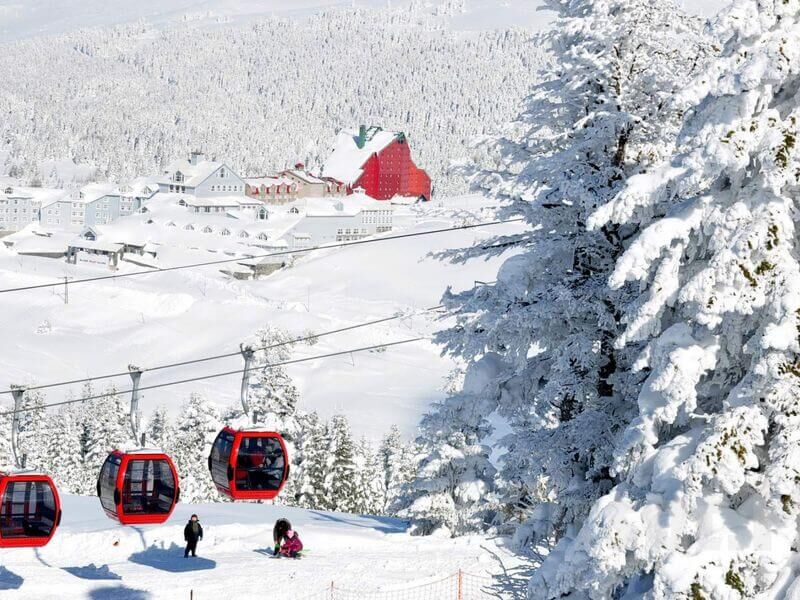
[175, 316]
[92, 557]
[32, 18]
[44, 17]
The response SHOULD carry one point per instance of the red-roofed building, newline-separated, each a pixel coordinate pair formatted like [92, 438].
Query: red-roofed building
[379, 162]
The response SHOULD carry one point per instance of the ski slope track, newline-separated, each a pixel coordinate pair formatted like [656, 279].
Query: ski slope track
[90, 557]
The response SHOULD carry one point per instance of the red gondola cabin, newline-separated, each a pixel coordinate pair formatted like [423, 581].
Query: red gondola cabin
[138, 487]
[30, 510]
[249, 464]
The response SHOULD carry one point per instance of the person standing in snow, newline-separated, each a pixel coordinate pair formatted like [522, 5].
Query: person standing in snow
[279, 534]
[192, 533]
[292, 546]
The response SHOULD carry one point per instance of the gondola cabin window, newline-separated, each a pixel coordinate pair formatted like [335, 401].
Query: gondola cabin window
[149, 487]
[28, 511]
[108, 482]
[220, 457]
[260, 464]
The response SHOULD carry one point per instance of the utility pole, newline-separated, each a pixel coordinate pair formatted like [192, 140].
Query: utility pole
[66, 288]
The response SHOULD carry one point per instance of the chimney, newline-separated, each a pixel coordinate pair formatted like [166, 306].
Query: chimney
[196, 157]
[361, 140]
[299, 166]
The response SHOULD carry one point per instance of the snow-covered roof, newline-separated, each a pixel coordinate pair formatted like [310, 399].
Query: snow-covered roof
[304, 176]
[269, 181]
[231, 201]
[15, 192]
[34, 238]
[45, 196]
[141, 186]
[193, 174]
[346, 162]
[94, 191]
[323, 207]
[101, 246]
[174, 226]
[345, 206]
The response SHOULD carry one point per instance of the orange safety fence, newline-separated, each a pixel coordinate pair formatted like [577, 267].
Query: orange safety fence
[458, 586]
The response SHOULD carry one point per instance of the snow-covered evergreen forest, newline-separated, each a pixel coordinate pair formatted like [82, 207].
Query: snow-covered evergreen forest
[261, 96]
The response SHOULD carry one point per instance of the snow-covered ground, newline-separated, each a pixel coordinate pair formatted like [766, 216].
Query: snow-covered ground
[179, 315]
[92, 557]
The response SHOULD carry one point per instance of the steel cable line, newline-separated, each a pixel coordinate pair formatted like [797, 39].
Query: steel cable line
[257, 256]
[229, 354]
[213, 376]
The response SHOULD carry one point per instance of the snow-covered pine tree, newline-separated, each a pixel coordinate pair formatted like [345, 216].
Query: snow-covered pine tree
[160, 431]
[6, 454]
[455, 464]
[708, 490]
[451, 482]
[398, 466]
[300, 459]
[273, 396]
[32, 430]
[195, 431]
[104, 426]
[342, 481]
[543, 335]
[371, 480]
[62, 444]
[309, 483]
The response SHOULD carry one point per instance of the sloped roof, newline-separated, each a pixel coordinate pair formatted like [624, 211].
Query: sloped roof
[233, 201]
[100, 246]
[193, 175]
[346, 162]
[303, 175]
[267, 180]
[140, 186]
[95, 191]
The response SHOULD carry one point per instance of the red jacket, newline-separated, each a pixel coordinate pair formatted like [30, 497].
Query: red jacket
[292, 545]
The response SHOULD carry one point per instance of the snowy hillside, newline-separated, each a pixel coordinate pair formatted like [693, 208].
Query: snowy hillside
[44, 17]
[175, 316]
[92, 557]
[32, 18]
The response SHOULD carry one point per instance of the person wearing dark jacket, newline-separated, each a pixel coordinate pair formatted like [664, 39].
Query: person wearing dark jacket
[279, 534]
[192, 533]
